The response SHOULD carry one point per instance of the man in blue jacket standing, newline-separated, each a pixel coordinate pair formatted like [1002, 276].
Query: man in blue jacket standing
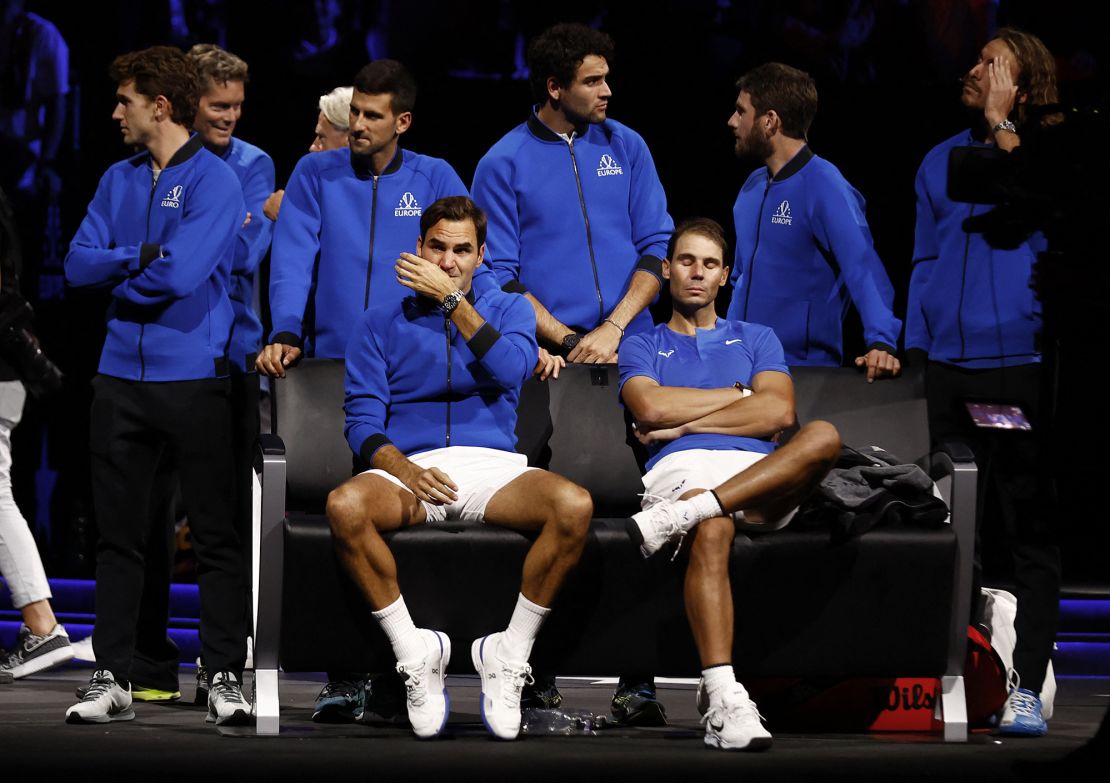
[578, 223]
[433, 382]
[577, 215]
[803, 247]
[972, 310]
[160, 235]
[346, 215]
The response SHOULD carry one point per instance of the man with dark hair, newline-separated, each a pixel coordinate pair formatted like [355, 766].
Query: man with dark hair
[433, 461]
[160, 234]
[578, 216]
[710, 398]
[345, 216]
[578, 224]
[972, 310]
[803, 248]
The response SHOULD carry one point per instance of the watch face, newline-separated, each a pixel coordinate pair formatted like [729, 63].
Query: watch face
[571, 340]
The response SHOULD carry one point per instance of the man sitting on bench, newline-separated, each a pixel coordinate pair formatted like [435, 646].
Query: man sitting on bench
[709, 398]
[432, 388]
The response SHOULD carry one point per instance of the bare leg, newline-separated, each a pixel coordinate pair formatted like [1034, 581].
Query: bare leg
[561, 511]
[707, 590]
[39, 617]
[358, 510]
[770, 488]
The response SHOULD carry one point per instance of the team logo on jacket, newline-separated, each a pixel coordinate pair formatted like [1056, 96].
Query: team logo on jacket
[782, 214]
[173, 198]
[407, 206]
[607, 167]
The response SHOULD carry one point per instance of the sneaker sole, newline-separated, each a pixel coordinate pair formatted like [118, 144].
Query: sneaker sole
[75, 718]
[238, 718]
[1020, 731]
[42, 662]
[154, 694]
[335, 715]
[476, 659]
[755, 744]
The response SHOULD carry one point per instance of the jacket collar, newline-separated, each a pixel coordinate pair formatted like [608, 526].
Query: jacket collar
[186, 151]
[361, 165]
[803, 156]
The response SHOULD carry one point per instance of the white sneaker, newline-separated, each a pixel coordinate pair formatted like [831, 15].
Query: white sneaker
[655, 526]
[226, 705]
[105, 701]
[425, 690]
[734, 723]
[83, 650]
[502, 682]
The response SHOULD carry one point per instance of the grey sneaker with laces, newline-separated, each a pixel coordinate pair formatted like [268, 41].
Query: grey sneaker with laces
[226, 705]
[425, 691]
[104, 701]
[33, 653]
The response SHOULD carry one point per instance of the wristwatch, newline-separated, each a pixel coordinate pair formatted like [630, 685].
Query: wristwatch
[570, 341]
[1005, 125]
[451, 301]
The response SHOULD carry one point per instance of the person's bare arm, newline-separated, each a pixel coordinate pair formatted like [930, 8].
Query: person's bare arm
[431, 485]
[768, 410]
[660, 407]
[600, 345]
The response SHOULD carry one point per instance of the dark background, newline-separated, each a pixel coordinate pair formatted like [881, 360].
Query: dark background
[887, 74]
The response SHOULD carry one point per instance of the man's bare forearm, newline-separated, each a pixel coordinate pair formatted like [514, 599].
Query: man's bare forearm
[548, 328]
[662, 407]
[757, 416]
[641, 291]
[390, 459]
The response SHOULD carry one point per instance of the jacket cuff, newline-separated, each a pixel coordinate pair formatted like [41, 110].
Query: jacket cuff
[652, 264]
[148, 251]
[483, 340]
[288, 338]
[514, 287]
[882, 347]
[370, 447]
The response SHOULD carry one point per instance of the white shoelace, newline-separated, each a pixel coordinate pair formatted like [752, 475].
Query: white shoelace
[415, 691]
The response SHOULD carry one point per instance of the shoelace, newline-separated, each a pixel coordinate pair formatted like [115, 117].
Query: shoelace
[344, 687]
[98, 686]
[740, 707]
[228, 691]
[1023, 704]
[516, 677]
[675, 532]
[414, 684]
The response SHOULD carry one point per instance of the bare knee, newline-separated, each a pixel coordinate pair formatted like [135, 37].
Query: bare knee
[821, 440]
[572, 509]
[714, 537]
[347, 511]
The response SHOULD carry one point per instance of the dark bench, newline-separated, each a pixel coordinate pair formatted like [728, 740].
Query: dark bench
[889, 603]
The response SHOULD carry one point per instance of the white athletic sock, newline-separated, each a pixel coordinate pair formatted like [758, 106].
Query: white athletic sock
[718, 680]
[399, 627]
[517, 640]
[699, 508]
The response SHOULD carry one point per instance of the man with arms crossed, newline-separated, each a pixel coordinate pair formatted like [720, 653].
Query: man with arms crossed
[160, 234]
[436, 421]
[803, 247]
[710, 397]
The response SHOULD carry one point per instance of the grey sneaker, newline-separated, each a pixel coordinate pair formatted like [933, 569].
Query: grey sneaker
[33, 653]
[226, 705]
[104, 701]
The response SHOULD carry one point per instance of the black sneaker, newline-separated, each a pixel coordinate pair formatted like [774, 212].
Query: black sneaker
[34, 653]
[541, 694]
[386, 699]
[635, 703]
[200, 698]
[340, 701]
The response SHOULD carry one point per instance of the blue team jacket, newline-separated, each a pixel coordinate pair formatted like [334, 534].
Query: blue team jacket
[165, 250]
[338, 234]
[573, 222]
[414, 382]
[803, 253]
[970, 304]
[255, 171]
